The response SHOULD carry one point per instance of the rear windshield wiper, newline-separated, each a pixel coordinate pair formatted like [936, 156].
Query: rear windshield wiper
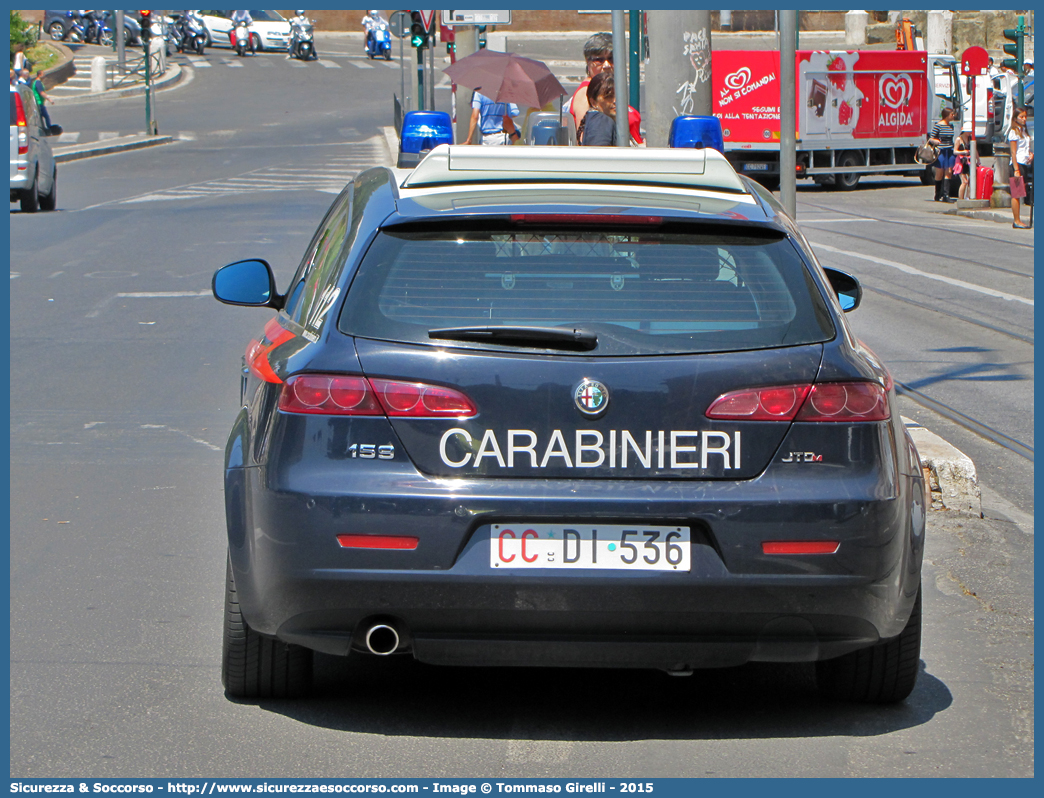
[540, 337]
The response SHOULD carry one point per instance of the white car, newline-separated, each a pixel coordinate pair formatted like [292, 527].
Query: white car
[271, 31]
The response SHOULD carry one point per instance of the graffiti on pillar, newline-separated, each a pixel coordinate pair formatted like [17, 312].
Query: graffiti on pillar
[697, 49]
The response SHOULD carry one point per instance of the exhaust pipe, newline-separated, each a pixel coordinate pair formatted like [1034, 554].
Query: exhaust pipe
[382, 639]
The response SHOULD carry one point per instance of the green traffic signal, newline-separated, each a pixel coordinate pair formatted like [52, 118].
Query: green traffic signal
[418, 32]
[1017, 49]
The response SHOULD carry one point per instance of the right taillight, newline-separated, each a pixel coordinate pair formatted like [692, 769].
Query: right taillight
[828, 401]
[349, 395]
[845, 401]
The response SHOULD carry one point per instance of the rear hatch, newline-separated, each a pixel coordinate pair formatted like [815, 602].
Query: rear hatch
[589, 353]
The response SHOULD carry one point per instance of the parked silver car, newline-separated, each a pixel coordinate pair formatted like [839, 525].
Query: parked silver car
[34, 174]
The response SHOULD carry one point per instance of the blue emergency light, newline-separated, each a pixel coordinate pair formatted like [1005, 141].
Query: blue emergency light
[423, 131]
[698, 132]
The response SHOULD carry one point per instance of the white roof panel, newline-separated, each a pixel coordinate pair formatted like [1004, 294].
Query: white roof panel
[684, 168]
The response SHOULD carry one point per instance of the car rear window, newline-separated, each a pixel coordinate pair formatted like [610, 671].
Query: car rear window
[641, 292]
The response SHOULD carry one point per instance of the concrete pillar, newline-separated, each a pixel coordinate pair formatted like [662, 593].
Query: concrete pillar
[939, 36]
[97, 74]
[855, 28]
[678, 74]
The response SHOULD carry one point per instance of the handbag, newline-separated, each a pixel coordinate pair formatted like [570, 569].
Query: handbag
[958, 166]
[927, 153]
[1018, 187]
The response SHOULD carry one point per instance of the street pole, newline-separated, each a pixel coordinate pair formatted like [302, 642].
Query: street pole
[431, 65]
[420, 78]
[121, 50]
[623, 136]
[787, 112]
[148, 87]
[466, 43]
[402, 78]
[634, 19]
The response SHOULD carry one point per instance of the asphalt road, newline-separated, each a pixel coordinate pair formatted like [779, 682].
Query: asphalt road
[124, 384]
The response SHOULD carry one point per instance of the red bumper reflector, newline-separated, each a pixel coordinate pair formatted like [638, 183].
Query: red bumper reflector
[377, 541]
[799, 546]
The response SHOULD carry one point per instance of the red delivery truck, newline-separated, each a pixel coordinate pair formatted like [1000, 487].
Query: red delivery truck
[858, 112]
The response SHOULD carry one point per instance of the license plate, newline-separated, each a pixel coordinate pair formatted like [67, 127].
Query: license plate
[755, 167]
[605, 547]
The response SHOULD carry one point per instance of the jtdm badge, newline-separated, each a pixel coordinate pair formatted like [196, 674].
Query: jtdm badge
[591, 397]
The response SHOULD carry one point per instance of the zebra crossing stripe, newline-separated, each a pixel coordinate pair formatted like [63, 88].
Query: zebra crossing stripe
[330, 64]
[361, 64]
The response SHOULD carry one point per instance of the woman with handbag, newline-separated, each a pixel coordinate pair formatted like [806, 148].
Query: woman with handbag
[942, 137]
[1021, 166]
[961, 161]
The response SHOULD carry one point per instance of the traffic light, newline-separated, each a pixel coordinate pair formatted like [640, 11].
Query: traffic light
[418, 31]
[1018, 36]
[145, 20]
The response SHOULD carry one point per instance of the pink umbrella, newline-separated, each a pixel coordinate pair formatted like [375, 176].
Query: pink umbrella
[507, 78]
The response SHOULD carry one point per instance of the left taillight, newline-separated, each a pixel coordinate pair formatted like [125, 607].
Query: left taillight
[23, 138]
[826, 401]
[349, 395]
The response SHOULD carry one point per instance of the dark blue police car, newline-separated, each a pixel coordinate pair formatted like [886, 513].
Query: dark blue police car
[567, 407]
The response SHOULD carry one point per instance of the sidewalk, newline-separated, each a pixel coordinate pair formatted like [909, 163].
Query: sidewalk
[133, 87]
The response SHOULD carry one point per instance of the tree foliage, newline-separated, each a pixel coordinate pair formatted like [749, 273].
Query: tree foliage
[22, 32]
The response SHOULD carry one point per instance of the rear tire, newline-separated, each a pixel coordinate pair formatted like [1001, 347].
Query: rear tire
[255, 43]
[56, 30]
[50, 201]
[30, 199]
[882, 674]
[847, 181]
[253, 666]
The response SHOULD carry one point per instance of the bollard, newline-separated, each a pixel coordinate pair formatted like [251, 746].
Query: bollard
[97, 74]
[1001, 197]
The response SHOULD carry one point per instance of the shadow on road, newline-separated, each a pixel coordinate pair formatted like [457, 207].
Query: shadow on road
[398, 696]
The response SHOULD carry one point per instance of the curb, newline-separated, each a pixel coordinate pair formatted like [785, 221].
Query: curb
[172, 77]
[77, 151]
[62, 71]
[949, 472]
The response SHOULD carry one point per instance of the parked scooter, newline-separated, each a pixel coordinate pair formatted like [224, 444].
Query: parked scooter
[378, 41]
[242, 40]
[76, 33]
[302, 40]
[191, 33]
[96, 29]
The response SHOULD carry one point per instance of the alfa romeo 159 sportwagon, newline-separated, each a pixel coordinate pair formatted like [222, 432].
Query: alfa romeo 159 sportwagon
[567, 407]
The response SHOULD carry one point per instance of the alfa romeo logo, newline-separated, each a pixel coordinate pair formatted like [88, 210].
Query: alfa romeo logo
[591, 397]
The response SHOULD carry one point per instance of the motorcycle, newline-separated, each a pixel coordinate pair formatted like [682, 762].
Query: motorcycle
[302, 42]
[76, 32]
[194, 34]
[97, 29]
[378, 41]
[242, 40]
[188, 34]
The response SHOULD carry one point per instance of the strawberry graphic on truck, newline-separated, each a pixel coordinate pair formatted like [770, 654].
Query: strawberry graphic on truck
[858, 111]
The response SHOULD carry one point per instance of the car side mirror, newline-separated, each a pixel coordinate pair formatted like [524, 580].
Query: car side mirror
[54, 130]
[248, 283]
[849, 291]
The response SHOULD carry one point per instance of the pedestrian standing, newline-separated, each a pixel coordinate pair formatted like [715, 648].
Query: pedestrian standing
[598, 127]
[492, 120]
[962, 160]
[942, 137]
[1021, 162]
[37, 86]
[598, 57]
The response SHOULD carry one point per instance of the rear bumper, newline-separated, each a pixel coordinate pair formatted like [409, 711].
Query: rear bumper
[735, 605]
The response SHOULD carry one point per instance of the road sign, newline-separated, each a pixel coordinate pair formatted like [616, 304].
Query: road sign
[400, 24]
[427, 17]
[476, 17]
[975, 61]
